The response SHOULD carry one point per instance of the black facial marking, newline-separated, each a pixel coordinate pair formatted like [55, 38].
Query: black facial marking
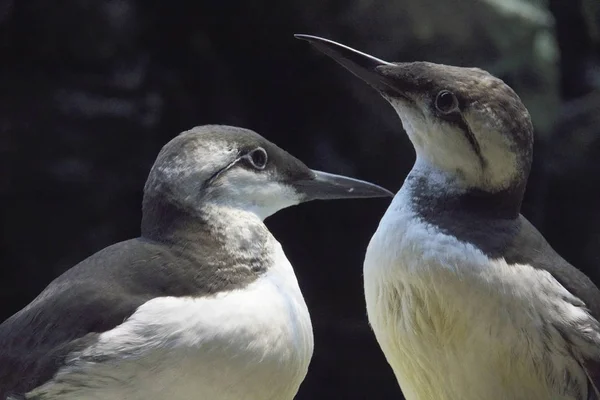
[279, 163]
[466, 129]
[456, 119]
[472, 87]
[447, 105]
[254, 152]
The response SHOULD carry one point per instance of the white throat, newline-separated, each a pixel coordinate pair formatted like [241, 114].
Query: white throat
[445, 147]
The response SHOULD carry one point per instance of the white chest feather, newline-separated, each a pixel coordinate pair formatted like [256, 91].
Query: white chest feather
[454, 324]
[255, 344]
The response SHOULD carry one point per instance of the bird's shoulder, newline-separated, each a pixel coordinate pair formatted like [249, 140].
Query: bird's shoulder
[93, 297]
[528, 246]
[519, 242]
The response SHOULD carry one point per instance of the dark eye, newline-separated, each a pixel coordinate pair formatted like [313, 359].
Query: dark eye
[258, 157]
[446, 102]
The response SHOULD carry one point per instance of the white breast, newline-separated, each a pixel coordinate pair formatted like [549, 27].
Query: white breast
[253, 344]
[454, 324]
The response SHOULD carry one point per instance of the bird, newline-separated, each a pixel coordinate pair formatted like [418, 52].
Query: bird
[203, 305]
[466, 298]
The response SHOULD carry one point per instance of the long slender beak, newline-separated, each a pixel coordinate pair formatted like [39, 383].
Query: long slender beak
[360, 64]
[325, 186]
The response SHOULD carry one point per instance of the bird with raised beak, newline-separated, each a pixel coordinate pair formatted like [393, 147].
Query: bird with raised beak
[203, 305]
[466, 298]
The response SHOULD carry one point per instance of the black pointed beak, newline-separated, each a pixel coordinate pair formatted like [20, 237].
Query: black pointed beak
[325, 186]
[360, 64]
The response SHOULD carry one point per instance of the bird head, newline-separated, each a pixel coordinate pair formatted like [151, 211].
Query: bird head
[235, 168]
[467, 127]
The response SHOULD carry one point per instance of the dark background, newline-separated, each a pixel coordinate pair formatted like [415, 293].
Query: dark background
[91, 90]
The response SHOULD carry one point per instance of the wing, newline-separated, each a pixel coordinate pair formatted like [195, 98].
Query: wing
[34, 342]
[519, 242]
[528, 246]
[93, 297]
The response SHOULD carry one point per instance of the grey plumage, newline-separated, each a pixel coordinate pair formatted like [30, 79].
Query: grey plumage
[199, 290]
[99, 293]
[465, 296]
[470, 218]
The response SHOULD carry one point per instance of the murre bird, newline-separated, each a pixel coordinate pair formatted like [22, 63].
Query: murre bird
[466, 298]
[204, 305]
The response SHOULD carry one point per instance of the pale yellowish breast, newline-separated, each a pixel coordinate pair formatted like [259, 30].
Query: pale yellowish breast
[439, 353]
[454, 324]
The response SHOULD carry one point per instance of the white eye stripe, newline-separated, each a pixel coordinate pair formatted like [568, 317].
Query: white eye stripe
[221, 171]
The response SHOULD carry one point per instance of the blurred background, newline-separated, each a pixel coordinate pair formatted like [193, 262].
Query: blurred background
[91, 90]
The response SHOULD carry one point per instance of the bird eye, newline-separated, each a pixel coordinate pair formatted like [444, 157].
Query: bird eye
[446, 102]
[258, 157]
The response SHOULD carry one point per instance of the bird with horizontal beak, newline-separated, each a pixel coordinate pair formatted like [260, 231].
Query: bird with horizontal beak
[466, 298]
[203, 305]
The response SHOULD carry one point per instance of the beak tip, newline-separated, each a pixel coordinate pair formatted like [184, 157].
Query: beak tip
[380, 193]
[383, 192]
[360, 64]
[308, 38]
